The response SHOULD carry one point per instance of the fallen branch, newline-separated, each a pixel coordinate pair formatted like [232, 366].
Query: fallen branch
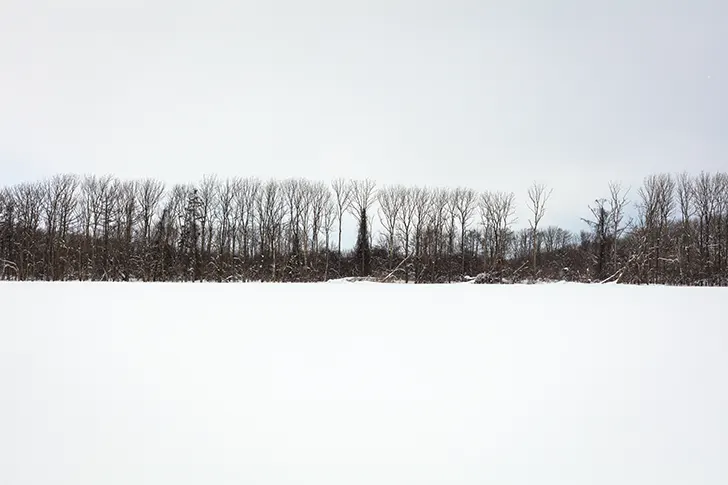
[618, 275]
[515, 273]
[395, 269]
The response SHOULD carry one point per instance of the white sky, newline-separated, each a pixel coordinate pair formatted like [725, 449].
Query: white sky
[492, 95]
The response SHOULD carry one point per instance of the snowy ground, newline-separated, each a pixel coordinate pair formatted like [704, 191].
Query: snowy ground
[362, 383]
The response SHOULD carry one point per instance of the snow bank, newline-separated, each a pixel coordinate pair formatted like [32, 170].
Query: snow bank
[362, 384]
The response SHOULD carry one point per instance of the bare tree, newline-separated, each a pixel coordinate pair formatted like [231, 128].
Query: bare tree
[523, 245]
[304, 210]
[343, 192]
[8, 240]
[248, 212]
[171, 237]
[422, 202]
[330, 215]
[600, 224]
[271, 209]
[684, 192]
[297, 195]
[406, 225]
[617, 204]
[721, 184]
[58, 207]
[89, 215]
[439, 236]
[464, 205]
[28, 206]
[391, 203]
[109, 189]
[149, 195]
[548, 239]
[362, 196]
[497, 210]
[706, 204]
[224, 213]
[127, 221]
[207, 193]
[657, 205]
[538, 196]
[320, 198]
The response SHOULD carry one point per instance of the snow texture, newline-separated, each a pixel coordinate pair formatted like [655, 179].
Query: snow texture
[361, 383]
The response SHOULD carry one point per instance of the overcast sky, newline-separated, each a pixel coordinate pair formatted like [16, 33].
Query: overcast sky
[492, 95]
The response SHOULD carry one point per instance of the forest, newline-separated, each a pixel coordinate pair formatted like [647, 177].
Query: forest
[673, 229]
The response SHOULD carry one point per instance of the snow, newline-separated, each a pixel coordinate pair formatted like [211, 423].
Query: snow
[362, 383]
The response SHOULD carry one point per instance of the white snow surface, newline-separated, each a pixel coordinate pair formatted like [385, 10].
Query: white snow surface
[362, 383]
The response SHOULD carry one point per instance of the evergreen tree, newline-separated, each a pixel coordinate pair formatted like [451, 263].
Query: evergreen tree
[362, 251]
[189, 240]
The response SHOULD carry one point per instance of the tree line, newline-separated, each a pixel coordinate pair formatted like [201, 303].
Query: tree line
[70, 227]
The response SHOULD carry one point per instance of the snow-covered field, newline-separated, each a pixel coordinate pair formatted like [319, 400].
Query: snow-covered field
[359, 383]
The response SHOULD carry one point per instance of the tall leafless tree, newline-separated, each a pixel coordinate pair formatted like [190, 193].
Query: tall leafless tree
[618, 203]
[538, 196]
[391, 204]
[464, 205]
[343, 192]
[497, 215]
